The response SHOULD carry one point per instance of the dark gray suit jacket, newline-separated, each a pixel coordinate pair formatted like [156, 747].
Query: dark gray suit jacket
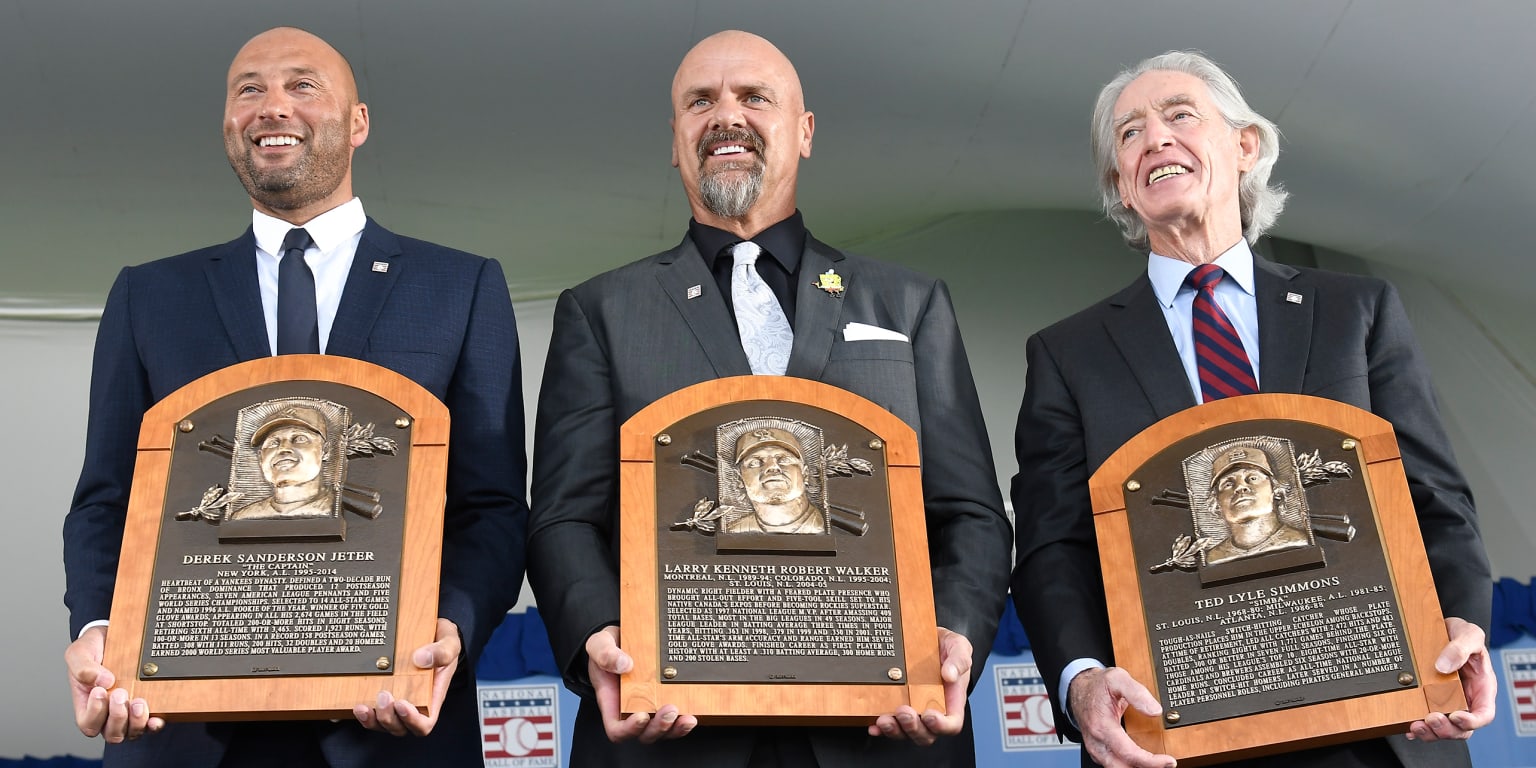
[1100, 377]
[631, 336]
[441, 317]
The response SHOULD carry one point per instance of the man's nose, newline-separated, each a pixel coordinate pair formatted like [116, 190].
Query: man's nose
[276, 104]
[1156, 135]
[726, 115]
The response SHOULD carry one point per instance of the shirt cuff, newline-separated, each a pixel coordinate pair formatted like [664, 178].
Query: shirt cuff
[96, 623]
[1077, 667]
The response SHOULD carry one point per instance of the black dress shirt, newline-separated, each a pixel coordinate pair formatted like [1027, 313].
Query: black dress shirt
[783, 242]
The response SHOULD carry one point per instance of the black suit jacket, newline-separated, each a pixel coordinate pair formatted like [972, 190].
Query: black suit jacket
[1100, 377]
[441, 317]
[631, 336]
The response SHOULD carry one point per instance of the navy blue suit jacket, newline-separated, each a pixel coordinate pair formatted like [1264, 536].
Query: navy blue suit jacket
[1100, 377]
[442, 318]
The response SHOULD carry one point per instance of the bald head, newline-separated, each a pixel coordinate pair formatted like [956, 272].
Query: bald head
[291, 122]
[291, 44]
[733, 48]
[739, 130]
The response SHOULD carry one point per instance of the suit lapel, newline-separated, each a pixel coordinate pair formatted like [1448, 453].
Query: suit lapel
[1285, 301]
[1140, 332]
[681, 271]
[817, 312]
[231, 274]
[365, 291]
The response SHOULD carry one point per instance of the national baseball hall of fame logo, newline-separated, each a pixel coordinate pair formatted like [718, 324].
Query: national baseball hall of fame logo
[520, 726]
[1025, 709]
[1520, 674]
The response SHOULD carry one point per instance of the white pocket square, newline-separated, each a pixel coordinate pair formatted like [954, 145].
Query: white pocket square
[862, 332]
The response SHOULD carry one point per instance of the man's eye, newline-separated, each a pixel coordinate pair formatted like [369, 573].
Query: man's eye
[700, 102]
[1129, 133]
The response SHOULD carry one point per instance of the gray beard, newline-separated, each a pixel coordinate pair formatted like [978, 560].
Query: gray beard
[731, 197]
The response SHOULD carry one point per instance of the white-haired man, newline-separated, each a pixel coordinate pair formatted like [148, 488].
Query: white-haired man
[1183, 165]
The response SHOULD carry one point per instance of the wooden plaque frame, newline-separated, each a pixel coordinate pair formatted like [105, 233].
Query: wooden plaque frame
[272, 697]
[643, 690]
[1303, 726]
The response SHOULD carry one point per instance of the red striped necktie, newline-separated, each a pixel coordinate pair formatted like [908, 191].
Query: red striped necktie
[1219, 355]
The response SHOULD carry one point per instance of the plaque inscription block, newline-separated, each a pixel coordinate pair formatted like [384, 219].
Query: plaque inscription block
[774, 556]
[289, 511]
[1267, 581]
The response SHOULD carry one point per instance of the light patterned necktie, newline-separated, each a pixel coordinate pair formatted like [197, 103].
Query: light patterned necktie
[765, 333]
[1219, 354]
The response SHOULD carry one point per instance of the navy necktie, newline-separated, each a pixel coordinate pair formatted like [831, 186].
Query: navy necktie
[298, 326]
[1219, 355]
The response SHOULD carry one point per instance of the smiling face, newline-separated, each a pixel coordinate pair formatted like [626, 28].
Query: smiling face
[1178, 162]
[292, 455]
[739, 129]
[772, 474]
[291, 121]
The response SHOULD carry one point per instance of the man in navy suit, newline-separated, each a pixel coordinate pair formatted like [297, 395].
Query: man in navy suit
[633, 335]
[441, 317]
[1184, 168]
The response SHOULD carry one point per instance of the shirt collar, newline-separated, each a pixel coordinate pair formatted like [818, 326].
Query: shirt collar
[1168, 275]
[783, 241]
[329, 230]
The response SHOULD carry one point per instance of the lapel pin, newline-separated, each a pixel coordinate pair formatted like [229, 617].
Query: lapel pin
[381, 266]
[695, 291]
[1294, 298]
[831, 282]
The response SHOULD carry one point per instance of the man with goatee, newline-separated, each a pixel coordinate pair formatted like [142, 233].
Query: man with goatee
[749, 291]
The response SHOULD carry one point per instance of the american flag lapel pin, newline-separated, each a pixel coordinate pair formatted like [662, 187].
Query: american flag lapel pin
[381, 266]
[1294, 298]
[695, 291]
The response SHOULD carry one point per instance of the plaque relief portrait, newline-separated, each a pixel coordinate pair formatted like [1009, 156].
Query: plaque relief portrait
[293, 448]
[1249, 511]
[288, 472]
[771, 481]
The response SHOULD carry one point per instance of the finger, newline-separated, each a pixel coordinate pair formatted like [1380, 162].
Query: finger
[93, 717]
[659, 725]
[885, 725]
[415, 723]
[913, 727]
[116, 726]
[384, 714]
[138, 718]
[1466, 640]
[434, 655]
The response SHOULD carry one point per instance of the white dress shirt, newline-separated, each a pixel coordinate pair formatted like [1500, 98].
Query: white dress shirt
[336, 234]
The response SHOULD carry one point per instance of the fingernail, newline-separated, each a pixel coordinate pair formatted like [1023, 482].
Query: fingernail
[669, 717]
[930, 720]
[138, 708]
[383, 700]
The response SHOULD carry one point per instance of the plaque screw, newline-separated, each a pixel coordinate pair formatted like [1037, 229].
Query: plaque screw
[1133, 485]
[663, 439]
[669, 672]
[382, 663]
[1172, 717]
[1405, 678]
[402, 422]
[150, 669]
[876, 444]
[185, 425]
[1349, 444]
[893, 673]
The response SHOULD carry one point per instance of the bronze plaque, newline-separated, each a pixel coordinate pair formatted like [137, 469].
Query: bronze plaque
[1264, 581]
[774, 549]
[283, 542]
[280, 540]
[774, 557]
